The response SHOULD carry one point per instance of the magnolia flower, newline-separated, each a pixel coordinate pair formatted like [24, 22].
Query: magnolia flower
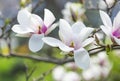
[58, 73]
[111, 30]
[73, 12]
[33, 26]
[102, 4]
[100, 67]
[73, 39]
[71, 76]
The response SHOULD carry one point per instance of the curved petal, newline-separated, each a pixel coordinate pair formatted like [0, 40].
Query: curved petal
[36, 20]
[87, 42]
[106, 19]
[82, 58]
[105, 30]
[49, 18]
[51, 28]
[35, 42]
[57, 43]
[21, 30]
[116, 22]
[23, 17]
[117, 40]
[77, 27]
[65, 31]
[85, 32]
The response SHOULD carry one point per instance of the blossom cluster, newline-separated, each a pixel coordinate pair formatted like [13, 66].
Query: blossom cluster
[73, 38]
[99, 68]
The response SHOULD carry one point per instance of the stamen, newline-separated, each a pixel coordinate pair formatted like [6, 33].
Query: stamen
[39, 30]
[72, 44]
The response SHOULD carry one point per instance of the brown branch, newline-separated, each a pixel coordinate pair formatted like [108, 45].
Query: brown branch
[60, 61]
[43, 59]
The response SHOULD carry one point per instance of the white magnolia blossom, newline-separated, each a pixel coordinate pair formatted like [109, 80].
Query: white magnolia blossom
[31, 25]
[111, 30]
[73, 39]
[71, 65]
[73, 9]
[71, 76]
[100, 67]
[58, 73]
[102, 4]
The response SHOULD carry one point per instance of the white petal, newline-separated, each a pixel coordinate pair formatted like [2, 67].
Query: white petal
[85, 32]
[87, 42]
[117, 40]
[21, 30]
[36, 20]
[57, 43]
[49, 18]
[77, 27]
[65, 31]
[51, 28]
[105, 30]
[36, 42]
[82, 58]
[105, 19]
[24, 17]
[116, 22]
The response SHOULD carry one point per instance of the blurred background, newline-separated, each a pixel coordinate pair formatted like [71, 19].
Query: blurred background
[103, 67]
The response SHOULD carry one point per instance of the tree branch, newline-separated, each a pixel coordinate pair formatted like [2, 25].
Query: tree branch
[43, 59]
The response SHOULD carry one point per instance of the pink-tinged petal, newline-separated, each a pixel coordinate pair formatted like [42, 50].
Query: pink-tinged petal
[82, 58]
[51, 28]
[105, 30]
[35, 42]
[49, 18]
[106, 19]
[21, 30]
[65, 31]
[84, 33]
[116, 32]
[57, 43]
[23, 17]
[117, 40]
[87, 42]
[77, 27]
[116, 22]
[36, 21]
[44, 29]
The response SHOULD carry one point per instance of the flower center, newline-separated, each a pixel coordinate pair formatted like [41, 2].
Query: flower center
[116, 33]
[39, 30]
[72, 44]
[42, 29]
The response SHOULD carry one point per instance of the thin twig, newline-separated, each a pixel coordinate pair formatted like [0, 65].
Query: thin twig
[28, 75]
[44, 74]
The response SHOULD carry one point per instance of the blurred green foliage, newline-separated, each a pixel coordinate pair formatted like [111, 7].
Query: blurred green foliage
[13, 69]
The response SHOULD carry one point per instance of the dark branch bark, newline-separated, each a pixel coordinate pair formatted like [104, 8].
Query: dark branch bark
[43, 59]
